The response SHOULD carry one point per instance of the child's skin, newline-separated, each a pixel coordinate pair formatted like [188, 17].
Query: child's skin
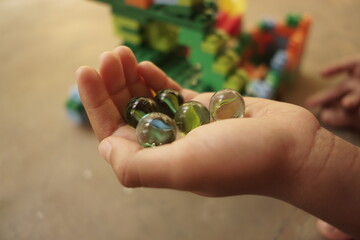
[340, 104]
[340, 107]
[278, 150]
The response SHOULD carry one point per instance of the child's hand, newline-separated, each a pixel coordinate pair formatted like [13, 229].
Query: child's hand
[277, 150]
[252, 152]
[340, 104]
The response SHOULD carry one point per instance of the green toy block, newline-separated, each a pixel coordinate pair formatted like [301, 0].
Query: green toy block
[189, 3]
[156, 12]
[273, 79]
[293, 20]
[244, 42]
[190, 37]
[74, 106]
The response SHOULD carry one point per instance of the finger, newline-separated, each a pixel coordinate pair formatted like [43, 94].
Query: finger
[345, 66]
[136, 86]
[351, 100]
[137, 167]
[330, 232]
[189, 94]
[155, 78]
[339, 117]
[111, 71]
[102, 113]
[326, 96]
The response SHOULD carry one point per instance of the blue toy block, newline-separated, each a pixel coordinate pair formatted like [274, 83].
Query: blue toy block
[260, 88]
[278, 62]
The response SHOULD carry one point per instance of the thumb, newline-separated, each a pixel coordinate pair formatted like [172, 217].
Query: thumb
[159, 167]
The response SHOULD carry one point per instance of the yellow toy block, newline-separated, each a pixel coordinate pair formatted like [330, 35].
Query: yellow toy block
[225, 63]
[237, 81]
[129, 23]
[232, 7]
[161, 36]
[136, 39]
[214, 43]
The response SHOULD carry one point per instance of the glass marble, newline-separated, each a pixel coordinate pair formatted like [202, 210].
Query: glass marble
[137, 108]
[191, 115]
[226, 103]
[169, 101]
[156, 129]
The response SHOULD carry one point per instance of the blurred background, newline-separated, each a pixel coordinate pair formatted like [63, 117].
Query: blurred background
[53, 183]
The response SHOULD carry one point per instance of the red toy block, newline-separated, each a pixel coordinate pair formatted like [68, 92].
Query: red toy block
[144, 4]
[229, 24]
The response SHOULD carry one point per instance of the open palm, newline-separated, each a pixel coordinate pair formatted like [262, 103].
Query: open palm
[236, 156]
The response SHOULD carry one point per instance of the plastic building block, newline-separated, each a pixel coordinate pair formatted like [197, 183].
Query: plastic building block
[293, 20]
[189, 3]
[229, 24]
[225, 63]
[166, 2]
[232, 7]
[237, 81]
[202, 46]
[161, 36]
[259, 88]
[214, 43]
[279, 61]
[74, 109]
[139, 3]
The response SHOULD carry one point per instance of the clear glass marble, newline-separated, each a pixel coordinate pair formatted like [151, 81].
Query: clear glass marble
[156, 129]
[169, 101]
[191, 115]
[226, 103]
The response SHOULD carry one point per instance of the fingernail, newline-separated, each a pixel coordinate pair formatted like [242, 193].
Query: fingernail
[105, 150]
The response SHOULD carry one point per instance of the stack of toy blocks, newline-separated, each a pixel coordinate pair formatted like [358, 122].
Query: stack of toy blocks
[201, 43]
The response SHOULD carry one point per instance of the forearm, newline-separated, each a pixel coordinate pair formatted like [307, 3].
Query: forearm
[328, 184]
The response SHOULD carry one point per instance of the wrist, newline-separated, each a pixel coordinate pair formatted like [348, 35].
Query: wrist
[327, 183]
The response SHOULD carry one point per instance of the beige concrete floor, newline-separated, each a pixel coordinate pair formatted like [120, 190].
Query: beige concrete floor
[53, 184]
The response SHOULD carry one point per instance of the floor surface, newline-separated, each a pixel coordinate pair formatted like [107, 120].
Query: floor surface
[53, 184]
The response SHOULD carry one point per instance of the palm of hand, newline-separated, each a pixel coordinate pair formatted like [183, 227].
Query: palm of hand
[250, 151]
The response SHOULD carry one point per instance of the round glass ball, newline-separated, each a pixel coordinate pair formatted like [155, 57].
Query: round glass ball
[169, 101]
[137, 108]
[191, 115]
[227, 103]
[156, 129]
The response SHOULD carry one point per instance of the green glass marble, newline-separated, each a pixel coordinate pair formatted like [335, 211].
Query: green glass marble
[155, 129]
[227, 103]
[137, 108]
[191, 115]
[169, 101]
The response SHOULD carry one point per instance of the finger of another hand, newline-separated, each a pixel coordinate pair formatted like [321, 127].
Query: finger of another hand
[103, 114]
[339, 117]
[345, 66]
[112, 73]
[135, 84]
[351, 100]
[328, 95]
